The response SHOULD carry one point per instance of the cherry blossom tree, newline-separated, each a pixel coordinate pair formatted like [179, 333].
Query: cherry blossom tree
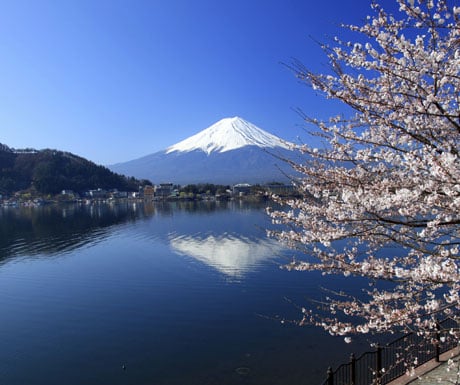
[380, 197]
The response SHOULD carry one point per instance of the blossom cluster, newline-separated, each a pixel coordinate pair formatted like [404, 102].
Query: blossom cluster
[381, 198]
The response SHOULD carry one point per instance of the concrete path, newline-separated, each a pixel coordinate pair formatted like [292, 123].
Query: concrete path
[434, 372]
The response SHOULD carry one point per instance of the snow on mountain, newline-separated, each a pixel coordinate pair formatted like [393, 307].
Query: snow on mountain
[230, 151]
[230, 254]
[226, 135]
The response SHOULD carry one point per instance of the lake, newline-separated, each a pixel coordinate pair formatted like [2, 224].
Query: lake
[162, 293]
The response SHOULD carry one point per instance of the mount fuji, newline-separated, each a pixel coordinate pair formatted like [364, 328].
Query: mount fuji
[230, 151]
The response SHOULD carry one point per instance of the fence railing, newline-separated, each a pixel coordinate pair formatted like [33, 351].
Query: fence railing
[390, 361]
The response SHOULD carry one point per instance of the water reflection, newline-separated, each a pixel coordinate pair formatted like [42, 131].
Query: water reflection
[123, 295]
[231, 254]
[59, 228]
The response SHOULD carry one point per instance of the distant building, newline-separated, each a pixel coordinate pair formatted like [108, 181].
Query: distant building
[241, 189]
[163, 190]
[115, 194]
[280, 189]
[149, 192]
[70, 194]
[97, 194]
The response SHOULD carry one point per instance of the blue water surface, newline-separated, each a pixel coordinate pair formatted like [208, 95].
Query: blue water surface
[165, 293]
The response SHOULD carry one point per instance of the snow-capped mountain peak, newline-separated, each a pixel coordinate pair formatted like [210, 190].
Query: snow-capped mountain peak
[228, 134]
[228, 152]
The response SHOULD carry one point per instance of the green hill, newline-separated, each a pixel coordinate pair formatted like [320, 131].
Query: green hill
[51, 171]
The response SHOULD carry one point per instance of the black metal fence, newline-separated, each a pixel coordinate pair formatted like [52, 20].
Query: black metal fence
[389, 362]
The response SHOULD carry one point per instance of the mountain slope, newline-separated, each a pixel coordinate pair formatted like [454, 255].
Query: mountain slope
[230, 151]
[226, 135]
[51, 171]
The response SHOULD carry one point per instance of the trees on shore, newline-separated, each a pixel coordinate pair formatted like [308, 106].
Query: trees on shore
[381, 196]
[51, 171]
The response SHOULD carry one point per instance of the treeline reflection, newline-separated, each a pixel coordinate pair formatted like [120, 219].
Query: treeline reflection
[55, 229]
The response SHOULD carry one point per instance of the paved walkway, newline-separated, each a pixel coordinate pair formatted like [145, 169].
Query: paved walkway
[434, 372]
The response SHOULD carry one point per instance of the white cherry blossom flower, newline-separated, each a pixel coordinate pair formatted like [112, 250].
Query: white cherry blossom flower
[381, 199]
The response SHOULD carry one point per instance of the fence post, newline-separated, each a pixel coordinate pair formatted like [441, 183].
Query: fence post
[438, 342]
[379, 364]
[353, 369]
[330, 376]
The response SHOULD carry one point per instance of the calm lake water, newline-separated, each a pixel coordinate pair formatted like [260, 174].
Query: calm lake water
[155, 294]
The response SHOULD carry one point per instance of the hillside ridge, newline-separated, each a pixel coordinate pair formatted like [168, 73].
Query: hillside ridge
[50, 171]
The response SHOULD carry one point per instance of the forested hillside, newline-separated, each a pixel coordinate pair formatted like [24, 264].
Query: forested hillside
[51, 171]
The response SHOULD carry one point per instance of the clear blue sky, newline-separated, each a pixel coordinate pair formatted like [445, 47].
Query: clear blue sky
[113, 80]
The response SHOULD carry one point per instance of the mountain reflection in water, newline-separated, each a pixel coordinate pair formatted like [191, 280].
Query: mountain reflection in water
[230, 254]
[112, 294]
